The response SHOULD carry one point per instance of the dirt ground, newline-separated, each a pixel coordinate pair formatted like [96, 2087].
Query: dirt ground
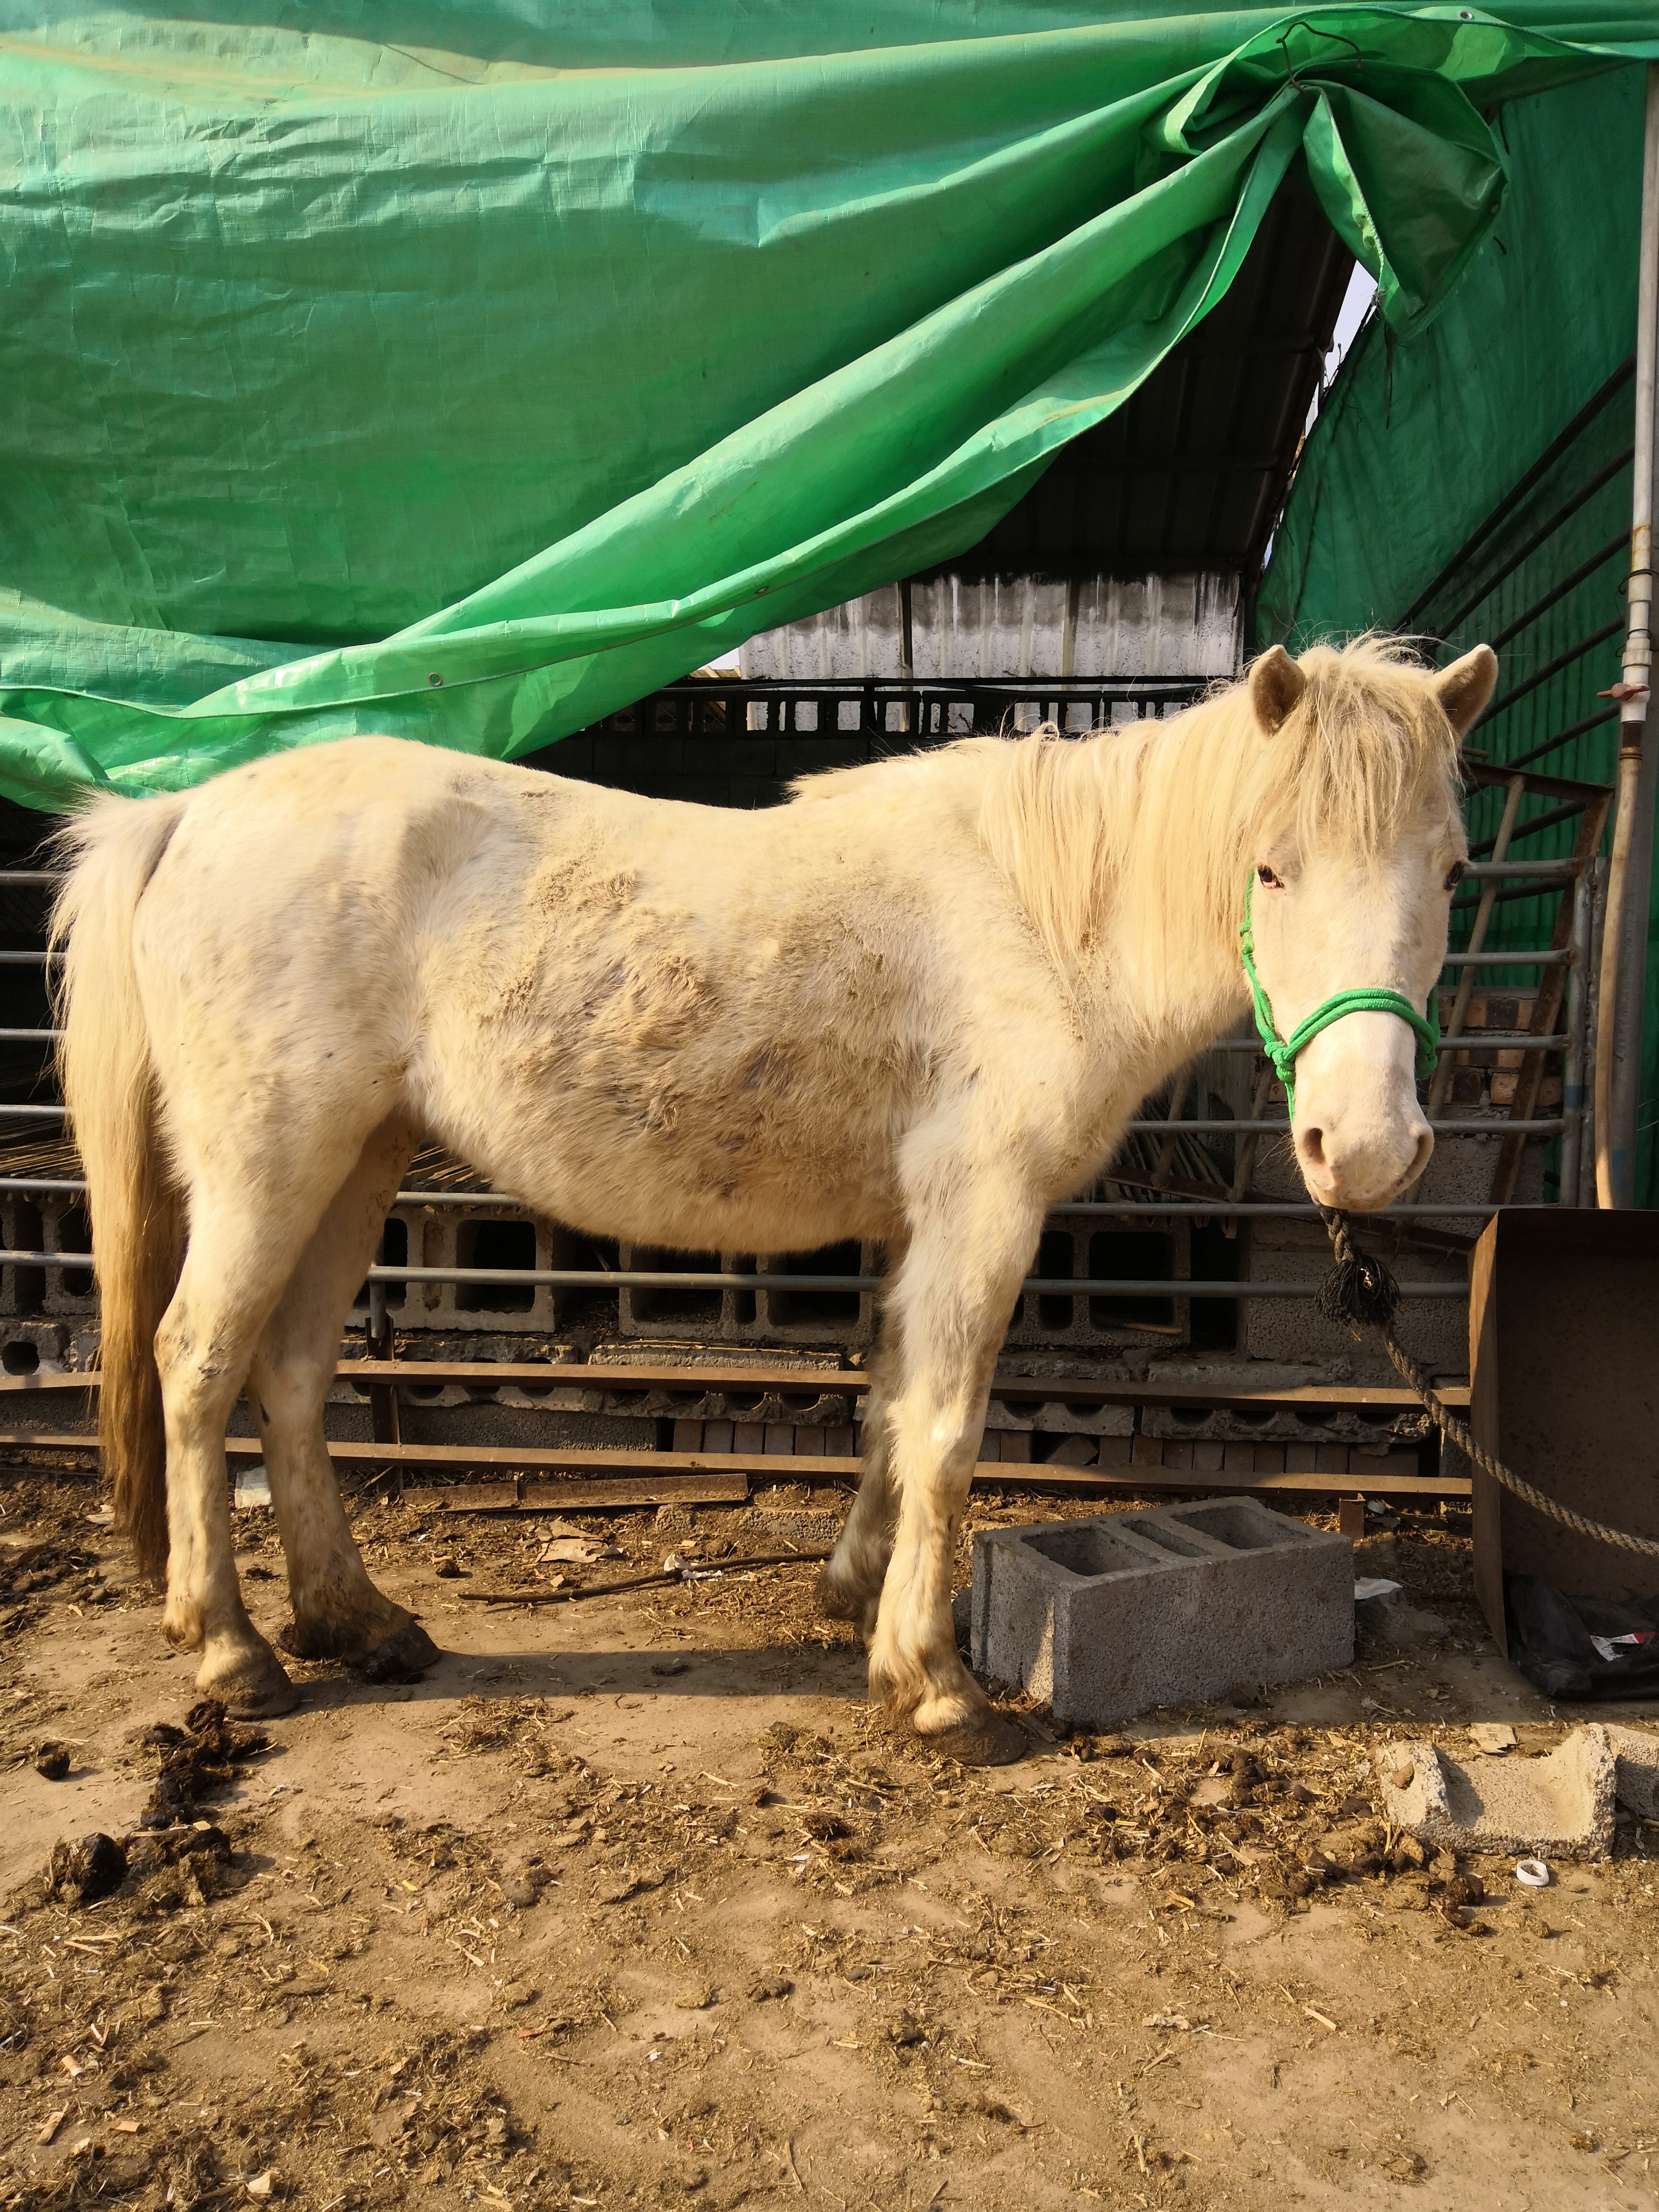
[631, 1901]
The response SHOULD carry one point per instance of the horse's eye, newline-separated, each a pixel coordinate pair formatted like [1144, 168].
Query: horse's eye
[1454, 874]
[1264, 874]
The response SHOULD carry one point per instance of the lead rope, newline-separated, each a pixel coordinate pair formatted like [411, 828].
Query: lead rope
[1360, 1292]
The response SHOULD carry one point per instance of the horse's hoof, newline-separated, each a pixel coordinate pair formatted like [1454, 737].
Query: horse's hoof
[404, 1657]
[835, 1602]
[253, 1686]
[988, 1739]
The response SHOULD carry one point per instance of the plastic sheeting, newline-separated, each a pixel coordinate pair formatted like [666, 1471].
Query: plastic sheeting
[469, 379]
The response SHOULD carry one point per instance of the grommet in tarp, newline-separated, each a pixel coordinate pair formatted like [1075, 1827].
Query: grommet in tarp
[434, 677]
[1532, 1874]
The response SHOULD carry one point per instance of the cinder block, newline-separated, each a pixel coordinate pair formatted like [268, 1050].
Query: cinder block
[1073, 1451]
[1638, 1755]
[1380, 1463]
[1559, 1807]
[1104, 1618]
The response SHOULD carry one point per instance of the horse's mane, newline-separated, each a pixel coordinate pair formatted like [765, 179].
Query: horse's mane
[1164, 819]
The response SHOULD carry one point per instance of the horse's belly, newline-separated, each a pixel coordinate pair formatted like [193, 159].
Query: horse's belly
[778, 1149]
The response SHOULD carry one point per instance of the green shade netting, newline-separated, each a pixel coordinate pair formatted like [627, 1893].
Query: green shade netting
[468, 375]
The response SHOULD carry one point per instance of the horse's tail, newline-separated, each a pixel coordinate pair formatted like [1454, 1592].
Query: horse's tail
[109, 1088]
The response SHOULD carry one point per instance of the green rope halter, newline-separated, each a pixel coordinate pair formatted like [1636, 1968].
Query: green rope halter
[1282, 1051]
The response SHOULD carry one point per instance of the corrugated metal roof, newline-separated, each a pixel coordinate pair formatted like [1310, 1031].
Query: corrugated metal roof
[1189, 474]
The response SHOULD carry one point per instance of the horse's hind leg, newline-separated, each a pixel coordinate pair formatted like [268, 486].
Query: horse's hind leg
[337, 1612]
[850, 1588]
[244, 1242]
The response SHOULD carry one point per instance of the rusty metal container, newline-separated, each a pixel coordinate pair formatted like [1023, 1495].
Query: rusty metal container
[1563, 1365]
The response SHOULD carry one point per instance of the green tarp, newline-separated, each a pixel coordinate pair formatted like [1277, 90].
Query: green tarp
[468, 375]
[1417, 444]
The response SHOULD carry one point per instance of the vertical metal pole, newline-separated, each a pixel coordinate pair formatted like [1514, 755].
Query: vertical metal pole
[906, 655]
[1625, 944]
[1572, 1074]
[1587, 1144]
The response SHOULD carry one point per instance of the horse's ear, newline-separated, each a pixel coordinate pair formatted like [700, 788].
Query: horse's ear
[1464, 688]
[1276, 684]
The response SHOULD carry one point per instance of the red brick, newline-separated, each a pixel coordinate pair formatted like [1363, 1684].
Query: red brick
[1269, 1458]
[840, 1440]
[1300, 1459]
[1207, 1456]
[1177, 1453]
[990, 1448]
[1148, 1452]
[1239, 1459]
[748, 1436]
[1331, 1459]
[687, 1436]
[780, 1436]
[1016, 1444]
[1115, 1451]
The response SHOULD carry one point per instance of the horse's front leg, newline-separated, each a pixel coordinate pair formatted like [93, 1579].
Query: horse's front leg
[974, 1232]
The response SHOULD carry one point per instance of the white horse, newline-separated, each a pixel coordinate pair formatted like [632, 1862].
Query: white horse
[916, 1004]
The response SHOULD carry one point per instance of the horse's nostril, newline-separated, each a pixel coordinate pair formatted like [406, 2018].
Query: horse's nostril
[1313, 1146]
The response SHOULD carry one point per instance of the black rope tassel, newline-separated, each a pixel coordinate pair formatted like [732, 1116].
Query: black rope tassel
[1358, 1291]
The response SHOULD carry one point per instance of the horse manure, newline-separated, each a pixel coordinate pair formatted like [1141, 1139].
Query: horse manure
[198, 1758]
[53, 1760]
[81, 1873]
